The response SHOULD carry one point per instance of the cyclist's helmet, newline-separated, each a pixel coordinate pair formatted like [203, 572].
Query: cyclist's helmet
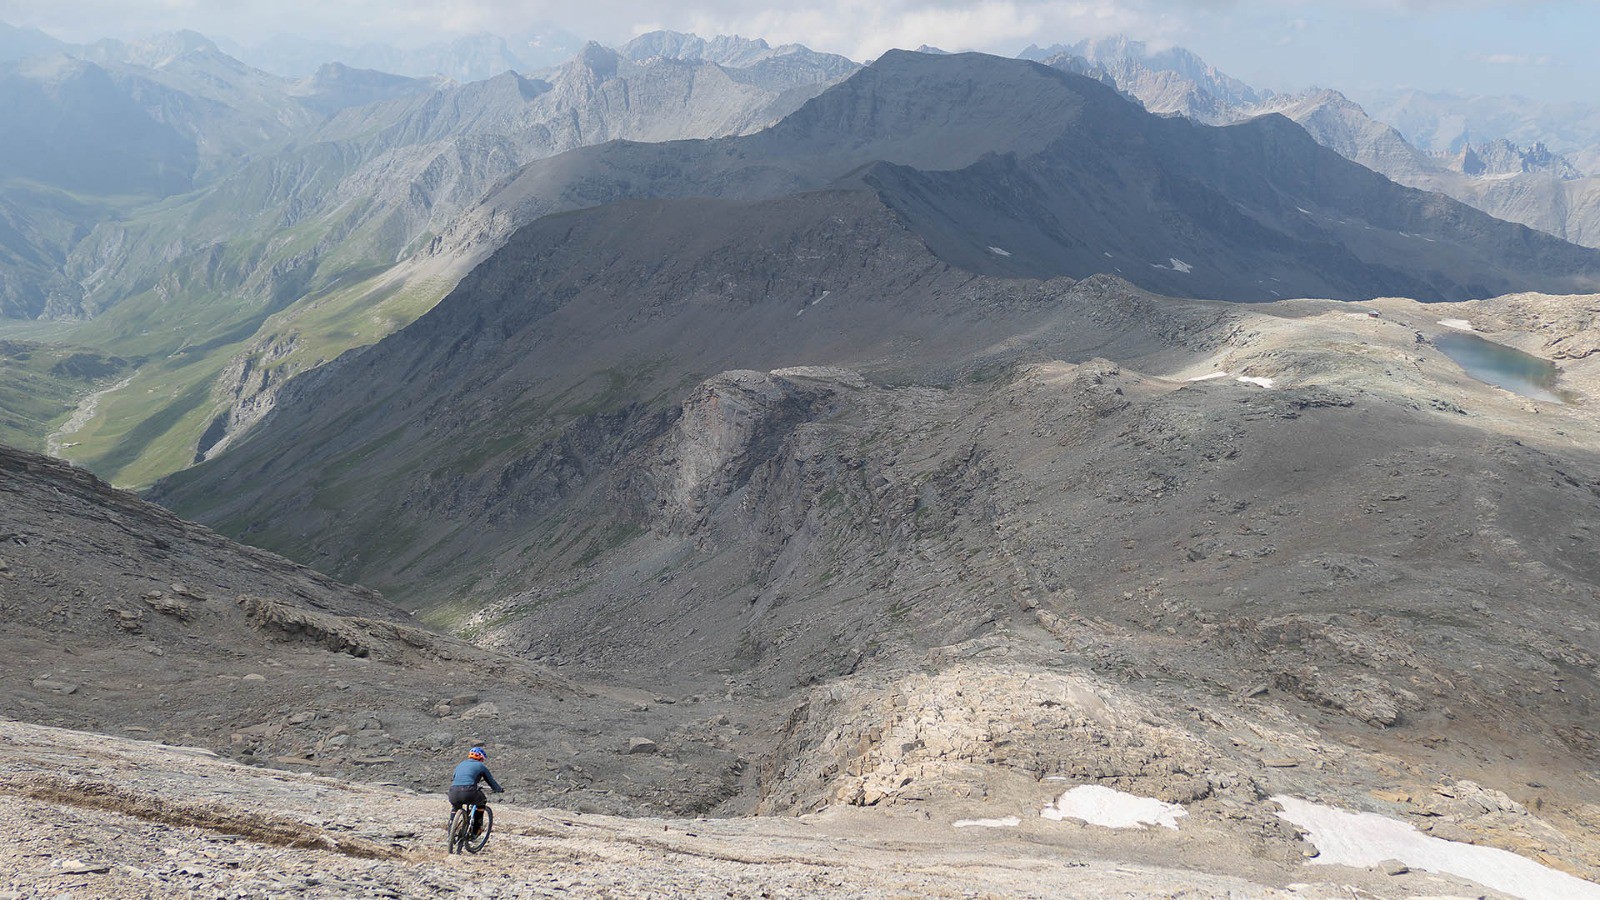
[477, 754]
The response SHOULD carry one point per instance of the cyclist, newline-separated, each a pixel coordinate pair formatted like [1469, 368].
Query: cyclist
[464, 787]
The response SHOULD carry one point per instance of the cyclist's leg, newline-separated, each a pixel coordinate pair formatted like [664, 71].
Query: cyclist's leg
[479, 804]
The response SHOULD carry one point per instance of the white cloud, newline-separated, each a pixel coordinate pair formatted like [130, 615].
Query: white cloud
[864, 31]
[1513, 59]
[857, 29]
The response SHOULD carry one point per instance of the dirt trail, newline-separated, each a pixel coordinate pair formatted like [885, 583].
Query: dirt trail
[113, 828]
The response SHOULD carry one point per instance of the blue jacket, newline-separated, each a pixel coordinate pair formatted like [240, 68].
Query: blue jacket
[470, 772]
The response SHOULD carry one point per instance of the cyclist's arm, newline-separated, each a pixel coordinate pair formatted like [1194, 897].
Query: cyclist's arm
[492, 783]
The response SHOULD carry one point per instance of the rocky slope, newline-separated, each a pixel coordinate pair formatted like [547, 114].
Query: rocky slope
[1358, 575]
[136, 819]
[1300, 510]
[124, 619]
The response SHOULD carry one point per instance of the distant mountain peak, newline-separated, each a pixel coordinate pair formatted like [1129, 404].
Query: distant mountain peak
[601, 60]
[723, 49]
[159, 51]
[727, 50]
[1499, 158]
[22, 43]
[1167, 80]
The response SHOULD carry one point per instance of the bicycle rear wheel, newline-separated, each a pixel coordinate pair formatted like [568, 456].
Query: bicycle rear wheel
[473, 843]
[455, 832]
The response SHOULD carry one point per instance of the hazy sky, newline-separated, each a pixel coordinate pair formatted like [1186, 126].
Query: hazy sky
[1537, 47]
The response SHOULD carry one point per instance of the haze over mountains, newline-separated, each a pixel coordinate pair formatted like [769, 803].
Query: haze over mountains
[1501, 155]
[310, 221]
[309, 206]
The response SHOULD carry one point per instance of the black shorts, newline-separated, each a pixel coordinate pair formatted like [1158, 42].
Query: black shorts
[461, 795]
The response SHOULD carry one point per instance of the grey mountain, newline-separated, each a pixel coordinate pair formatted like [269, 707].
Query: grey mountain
[1172, 80]
[1530, 185]
[879, 518]
[776, 68]
[908, 602]
[335, 86]
[1001, 165]
[1029, 171]
[587, 328]
[626, 444]
[75, 125]
[23, 43]
[81, 142]
[1448, 123]
[228, 110]
[95, 135]
[1501, 157]
[323, 211]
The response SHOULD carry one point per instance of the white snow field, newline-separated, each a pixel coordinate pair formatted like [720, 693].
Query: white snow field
[1365, 839]
[1457, 324]
[1258, 382]
[1110, 808]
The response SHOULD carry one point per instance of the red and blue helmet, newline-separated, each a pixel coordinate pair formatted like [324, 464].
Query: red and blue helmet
[477, 754]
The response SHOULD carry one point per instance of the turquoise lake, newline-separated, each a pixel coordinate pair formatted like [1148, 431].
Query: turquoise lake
[1504, 367]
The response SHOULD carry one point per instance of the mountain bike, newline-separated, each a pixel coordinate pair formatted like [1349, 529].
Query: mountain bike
[461, 833]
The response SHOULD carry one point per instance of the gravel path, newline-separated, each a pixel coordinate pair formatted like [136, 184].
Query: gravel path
[89, 816]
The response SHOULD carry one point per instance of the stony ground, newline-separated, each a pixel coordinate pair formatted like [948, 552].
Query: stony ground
[87, 816]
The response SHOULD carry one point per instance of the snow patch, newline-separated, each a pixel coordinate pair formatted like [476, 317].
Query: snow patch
[999, 252]
[1258, 382]
[1007, 822]
[1457, 324]
[1208, 377]
[1109, 808]
[1181, 266]
[1366, 839]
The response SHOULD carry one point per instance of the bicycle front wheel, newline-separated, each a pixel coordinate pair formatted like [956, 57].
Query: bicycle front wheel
[475, 842]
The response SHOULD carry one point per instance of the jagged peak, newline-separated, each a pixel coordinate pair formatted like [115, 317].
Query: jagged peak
[1501, 157]
[600, 59]
[722, 48]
